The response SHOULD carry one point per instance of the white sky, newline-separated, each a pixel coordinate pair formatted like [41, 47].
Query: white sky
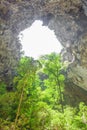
[39, 40]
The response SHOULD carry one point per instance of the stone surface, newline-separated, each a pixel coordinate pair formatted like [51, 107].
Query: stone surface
[68, 18]
[78, 75]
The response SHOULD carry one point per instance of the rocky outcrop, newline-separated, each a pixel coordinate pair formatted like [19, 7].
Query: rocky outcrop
[68, 18]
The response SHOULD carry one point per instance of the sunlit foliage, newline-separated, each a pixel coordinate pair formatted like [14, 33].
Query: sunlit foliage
[37, 101]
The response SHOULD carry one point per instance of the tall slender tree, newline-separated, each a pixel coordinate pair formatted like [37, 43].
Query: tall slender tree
[52, 66]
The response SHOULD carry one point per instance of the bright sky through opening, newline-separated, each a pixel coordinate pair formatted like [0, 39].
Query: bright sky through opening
[39, 40]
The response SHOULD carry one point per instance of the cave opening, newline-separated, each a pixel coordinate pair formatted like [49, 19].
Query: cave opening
[39, 40]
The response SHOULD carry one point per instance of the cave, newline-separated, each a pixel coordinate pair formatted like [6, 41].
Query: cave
[67, 18]
[39, 40]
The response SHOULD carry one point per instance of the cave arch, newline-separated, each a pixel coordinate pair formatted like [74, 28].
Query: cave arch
[67, 18]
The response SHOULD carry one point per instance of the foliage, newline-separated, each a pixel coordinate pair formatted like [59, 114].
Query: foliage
[55, 83]
[37, 102]
[2, 88]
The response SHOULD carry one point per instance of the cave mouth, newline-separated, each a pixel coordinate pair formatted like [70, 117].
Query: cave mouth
[39, 40]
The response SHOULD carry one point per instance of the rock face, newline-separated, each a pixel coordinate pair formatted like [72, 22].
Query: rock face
[68, 18]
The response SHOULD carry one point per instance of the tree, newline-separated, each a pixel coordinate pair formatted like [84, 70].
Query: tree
[25, 83]
[52, 66]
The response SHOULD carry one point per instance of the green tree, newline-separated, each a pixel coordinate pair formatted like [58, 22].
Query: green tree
[52, 67]
[26, 83]
[37, 100]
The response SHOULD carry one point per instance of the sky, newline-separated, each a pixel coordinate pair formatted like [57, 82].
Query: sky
[39, 40]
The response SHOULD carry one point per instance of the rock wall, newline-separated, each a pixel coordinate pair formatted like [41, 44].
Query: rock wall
[68, 18]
